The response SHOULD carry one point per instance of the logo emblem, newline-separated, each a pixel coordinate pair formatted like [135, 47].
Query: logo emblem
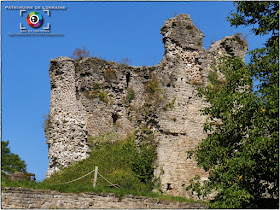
[34, 19]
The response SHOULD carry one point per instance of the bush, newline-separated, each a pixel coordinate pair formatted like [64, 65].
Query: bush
[130, 94]
[96, 86]
[103, 96]
[80, 53]
[109, 74]
[153, 86]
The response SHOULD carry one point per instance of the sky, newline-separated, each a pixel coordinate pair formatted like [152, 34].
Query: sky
[109, 30]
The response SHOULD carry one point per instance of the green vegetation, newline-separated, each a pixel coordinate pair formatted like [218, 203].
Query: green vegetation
[153, 86]
[103, 96]
[121, 162]
[130, 95]
[96, 86]
[144, 164]
[171, 104]
[10, 162]
[97, 142]
[90, 141]
[97, 92]
[126, 164]
[241, 153]
[153, 98]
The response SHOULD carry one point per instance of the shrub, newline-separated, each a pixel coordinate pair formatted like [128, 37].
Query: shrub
[153, 97]
[153, 86]
[103, 96]
[171, 104]
[96, 86]
[109, 74]
[80, 53]
[130, 94]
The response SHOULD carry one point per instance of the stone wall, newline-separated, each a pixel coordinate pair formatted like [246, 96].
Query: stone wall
[21, 198]
[92, 97]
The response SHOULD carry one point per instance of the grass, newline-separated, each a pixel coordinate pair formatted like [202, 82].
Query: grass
[120, 161]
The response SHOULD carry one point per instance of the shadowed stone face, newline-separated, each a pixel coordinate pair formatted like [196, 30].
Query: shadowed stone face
[96, 97]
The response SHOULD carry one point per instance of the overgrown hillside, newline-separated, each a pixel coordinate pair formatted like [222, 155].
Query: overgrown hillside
[121, 162]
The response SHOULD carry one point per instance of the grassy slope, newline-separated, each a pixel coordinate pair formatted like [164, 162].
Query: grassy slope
[116, 162]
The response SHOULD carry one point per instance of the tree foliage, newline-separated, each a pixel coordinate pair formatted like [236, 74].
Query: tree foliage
[241, 152]
[10, 162]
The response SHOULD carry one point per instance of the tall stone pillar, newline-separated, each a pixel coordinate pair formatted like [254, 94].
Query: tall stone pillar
[65, 127]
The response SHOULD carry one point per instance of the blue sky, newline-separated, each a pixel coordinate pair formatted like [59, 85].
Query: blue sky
[110, 30]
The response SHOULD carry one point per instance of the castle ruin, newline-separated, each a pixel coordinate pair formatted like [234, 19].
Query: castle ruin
[90, 97]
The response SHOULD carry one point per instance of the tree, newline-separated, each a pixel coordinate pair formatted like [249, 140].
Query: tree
[241, 152]
[10, 162]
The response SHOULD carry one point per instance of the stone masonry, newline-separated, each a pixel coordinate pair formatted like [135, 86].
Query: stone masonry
[92, 97]
[21, 198]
